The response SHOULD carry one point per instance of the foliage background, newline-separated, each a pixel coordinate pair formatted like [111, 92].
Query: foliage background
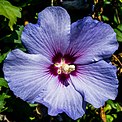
[14, 15]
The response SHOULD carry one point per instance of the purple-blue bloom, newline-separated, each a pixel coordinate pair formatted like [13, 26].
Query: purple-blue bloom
[66, 65]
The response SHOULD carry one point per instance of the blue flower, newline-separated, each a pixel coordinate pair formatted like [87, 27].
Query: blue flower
[67, 65]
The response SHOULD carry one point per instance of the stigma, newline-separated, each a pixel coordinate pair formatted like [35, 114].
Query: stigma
[63, 67]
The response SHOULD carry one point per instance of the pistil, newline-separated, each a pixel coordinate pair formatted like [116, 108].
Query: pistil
[64, 67]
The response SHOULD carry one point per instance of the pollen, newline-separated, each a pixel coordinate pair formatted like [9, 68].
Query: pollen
[63, 67]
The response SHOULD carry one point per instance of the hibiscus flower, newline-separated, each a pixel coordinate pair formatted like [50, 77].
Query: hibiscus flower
[67, 65]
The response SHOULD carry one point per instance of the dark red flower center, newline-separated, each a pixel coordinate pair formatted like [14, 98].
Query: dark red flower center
[63, 66]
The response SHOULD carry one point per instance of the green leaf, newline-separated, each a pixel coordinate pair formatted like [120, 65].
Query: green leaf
[33, 105]
[9, 11]
[120, 1]
[3, 83]
[19, 32]
[118, 31]
[105, 18]
[107, 108]
[118, 107]
[109, 118]
[31, 118]
[2, 101]
[3, 56]
[18, 41]
[115, 19]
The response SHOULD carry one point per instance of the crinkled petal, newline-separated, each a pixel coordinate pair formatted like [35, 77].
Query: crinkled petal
[64, 99]
[97, 82]
[27, 74]
[50, 35]
[91, 41]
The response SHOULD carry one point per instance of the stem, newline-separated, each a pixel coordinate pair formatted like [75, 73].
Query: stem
[52, 2]
[102, 114]
[117, 59]
[117, 16]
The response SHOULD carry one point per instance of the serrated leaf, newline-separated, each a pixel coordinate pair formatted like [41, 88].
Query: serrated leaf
[19, 32]
[118, 31]
[3, 83]
[18, 41]
[4, 96]
[9, 11]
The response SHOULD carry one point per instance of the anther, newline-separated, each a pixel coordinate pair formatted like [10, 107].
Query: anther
[64, 67]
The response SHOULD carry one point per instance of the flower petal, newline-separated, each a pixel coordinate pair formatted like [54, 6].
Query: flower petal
[91, 41]
[27, 74]
[65, 99]
[28, 77]
[50, 35]
[97, 82]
